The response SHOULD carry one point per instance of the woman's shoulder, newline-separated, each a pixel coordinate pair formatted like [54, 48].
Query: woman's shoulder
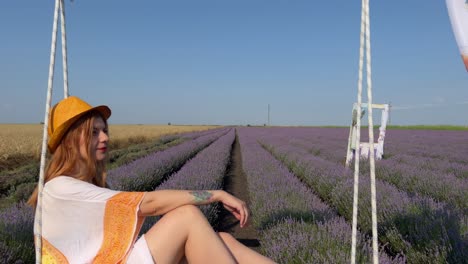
[63, 183]
[67, 187]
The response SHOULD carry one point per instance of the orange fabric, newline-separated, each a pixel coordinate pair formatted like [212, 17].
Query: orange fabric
[51, 255]
[121, 226]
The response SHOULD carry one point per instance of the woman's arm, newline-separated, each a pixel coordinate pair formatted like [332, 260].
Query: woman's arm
[163, 201]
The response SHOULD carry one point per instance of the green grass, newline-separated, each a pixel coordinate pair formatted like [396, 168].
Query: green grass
[430, 127]
[415, 127]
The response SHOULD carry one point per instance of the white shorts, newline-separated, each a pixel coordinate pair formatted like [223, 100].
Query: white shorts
[140, 253]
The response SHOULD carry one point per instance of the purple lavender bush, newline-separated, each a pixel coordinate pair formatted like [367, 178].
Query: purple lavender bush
[197, 134]
[16, 234]
[295, 225]
[397, 211]
[296, 241]
[146, 173]
[204, 172]
[415, 180]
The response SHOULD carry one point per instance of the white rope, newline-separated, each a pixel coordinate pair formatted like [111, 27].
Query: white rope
[64, 51]
[358, 137]
[365, 35]
[375, 248]
[40, 185]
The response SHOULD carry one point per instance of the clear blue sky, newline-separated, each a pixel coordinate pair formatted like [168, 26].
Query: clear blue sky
[223, 62]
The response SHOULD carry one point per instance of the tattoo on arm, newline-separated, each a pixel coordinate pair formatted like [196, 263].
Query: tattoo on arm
[201, 196]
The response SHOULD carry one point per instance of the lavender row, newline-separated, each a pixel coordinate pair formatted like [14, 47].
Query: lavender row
[204, 172]
[459, 170]
[296, 241]
[413, 179]
[296, 226]
[16, 234]
[407, 173]
[266, 176]
[400, 214]
[421, 228]
[327, 143]
[442, 151]
[196, 134]
[449, 146]
[401, 171]
[146, 173]
[124, 156]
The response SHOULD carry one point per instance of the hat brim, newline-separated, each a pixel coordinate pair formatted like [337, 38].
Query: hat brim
[60, 131]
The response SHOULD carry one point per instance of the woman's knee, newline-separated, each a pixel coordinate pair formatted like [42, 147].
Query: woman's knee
[178, 217]
[188, 212]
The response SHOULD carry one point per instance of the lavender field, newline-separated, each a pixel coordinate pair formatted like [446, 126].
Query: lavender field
[422, 190]
[301, 193]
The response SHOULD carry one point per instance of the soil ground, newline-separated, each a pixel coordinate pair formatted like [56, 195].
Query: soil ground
[236, 183]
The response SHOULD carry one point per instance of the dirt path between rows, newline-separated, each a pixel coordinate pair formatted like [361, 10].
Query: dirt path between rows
[236, 183]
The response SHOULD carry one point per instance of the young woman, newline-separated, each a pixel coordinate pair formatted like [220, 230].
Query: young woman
[83, 222]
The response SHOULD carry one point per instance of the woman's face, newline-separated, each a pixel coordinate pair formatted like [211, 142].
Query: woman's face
[99, 140]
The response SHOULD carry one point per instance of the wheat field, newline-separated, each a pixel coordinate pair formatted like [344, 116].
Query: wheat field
[26, 139]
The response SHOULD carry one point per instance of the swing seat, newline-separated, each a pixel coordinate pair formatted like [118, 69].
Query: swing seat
[364, 149]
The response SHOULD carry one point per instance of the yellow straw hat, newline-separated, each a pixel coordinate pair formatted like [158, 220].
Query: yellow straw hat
[65, 113]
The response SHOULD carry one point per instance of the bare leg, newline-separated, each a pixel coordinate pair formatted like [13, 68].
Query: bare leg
[243, 254]
[185, 233]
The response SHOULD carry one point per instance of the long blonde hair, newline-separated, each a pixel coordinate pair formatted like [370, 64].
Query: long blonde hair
[67, 159]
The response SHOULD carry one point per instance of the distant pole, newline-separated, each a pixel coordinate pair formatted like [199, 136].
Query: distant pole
[268, 114]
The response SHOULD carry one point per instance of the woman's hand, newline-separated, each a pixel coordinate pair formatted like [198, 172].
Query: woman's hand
[236, 206]
[162, 201]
